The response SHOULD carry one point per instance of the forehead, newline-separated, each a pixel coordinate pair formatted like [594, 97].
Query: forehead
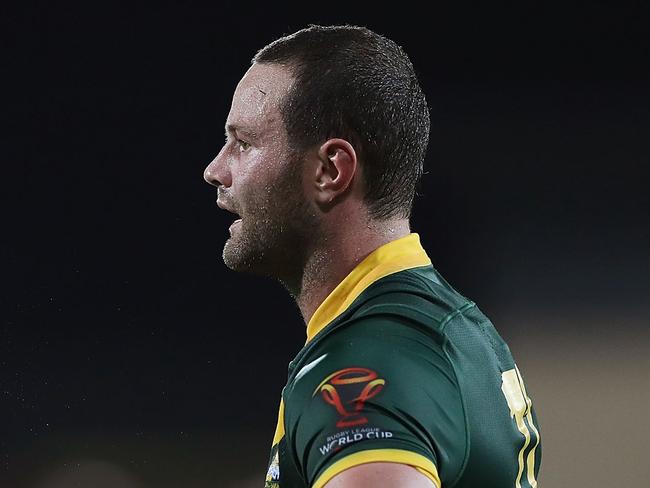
[256, 101]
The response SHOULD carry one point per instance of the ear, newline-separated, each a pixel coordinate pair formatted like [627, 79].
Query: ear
[337, 167]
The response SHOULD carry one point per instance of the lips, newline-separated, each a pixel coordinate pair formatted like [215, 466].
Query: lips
[222, 204]
[225, 204]
[234, 224]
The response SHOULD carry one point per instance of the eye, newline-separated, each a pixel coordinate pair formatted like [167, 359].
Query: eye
[243, 145]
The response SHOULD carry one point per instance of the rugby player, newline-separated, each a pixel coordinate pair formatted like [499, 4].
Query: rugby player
[403, 382]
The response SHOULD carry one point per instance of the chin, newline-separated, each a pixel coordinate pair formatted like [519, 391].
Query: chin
[242, 256]
[232, 256]
[262, 255]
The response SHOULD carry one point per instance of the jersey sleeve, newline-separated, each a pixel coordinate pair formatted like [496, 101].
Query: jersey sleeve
[379, 391]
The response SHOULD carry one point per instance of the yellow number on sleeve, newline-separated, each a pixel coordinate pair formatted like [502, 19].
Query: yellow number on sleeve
[520, 410]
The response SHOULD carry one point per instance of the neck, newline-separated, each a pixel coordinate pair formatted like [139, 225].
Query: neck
[336, 256]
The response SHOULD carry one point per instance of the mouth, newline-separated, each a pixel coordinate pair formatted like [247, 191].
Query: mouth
[224, 206]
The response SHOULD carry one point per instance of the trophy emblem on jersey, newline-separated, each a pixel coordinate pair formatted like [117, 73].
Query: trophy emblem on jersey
[347, 390]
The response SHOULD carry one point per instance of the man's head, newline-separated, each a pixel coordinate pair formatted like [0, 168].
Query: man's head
[259, 177]
[354, 84]
[326, 120]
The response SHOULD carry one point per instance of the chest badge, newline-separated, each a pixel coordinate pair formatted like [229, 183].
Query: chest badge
[347, 390]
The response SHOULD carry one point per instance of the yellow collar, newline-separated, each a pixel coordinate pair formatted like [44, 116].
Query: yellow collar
[397, 255]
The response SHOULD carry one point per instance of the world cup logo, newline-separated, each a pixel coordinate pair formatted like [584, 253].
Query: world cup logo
[347, 390]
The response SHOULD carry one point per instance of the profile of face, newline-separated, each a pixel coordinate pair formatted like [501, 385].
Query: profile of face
[260, 179]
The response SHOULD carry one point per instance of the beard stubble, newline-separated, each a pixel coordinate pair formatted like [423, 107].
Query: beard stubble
[276, 234]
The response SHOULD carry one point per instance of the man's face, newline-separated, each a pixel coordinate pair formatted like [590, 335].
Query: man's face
[260, 179]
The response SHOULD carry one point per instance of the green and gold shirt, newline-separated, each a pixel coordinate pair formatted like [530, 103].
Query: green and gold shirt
[399, 367]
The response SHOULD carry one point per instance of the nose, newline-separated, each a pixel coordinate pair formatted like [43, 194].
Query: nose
[217, 173]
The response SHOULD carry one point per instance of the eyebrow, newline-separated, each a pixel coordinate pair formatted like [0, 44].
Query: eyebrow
[232, 128]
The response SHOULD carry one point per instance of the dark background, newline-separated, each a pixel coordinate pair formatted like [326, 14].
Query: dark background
[123, 337]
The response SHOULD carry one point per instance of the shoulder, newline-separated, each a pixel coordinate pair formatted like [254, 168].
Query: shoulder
[398, 311]
[379, 386]
[419, 294]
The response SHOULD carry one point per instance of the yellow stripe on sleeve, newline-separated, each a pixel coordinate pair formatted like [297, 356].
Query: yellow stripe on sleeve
[279, 428]
[419, 462]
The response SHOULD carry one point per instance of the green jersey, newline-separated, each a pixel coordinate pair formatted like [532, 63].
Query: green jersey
[399, 367]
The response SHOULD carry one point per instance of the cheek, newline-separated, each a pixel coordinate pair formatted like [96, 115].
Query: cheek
[255, 180]
[262, 171]
[245, 169]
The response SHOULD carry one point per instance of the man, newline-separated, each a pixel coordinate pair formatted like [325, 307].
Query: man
[402, 382]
